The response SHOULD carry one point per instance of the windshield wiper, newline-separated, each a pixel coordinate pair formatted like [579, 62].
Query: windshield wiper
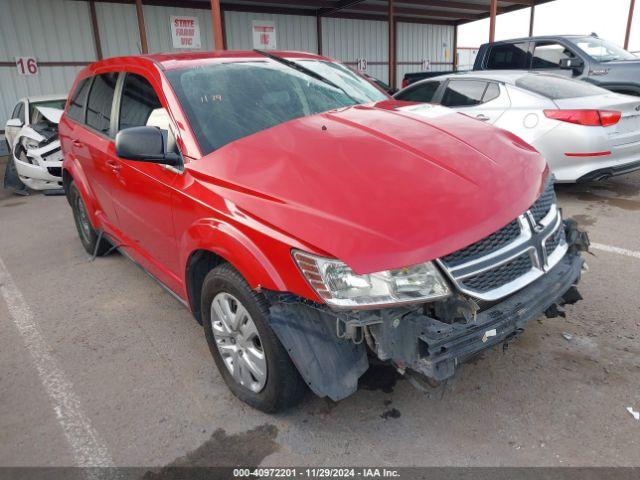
[305, 70]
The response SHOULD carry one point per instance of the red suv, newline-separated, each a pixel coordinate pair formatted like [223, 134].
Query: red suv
[309, 221]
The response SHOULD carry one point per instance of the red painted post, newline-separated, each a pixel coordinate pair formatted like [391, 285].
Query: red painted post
[492, 21]
[627, 37]
[216, 21]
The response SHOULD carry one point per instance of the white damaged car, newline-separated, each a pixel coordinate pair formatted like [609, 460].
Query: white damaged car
[34, 143]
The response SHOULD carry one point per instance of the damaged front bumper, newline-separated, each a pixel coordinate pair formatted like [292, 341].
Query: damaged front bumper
[328, 347]
[434, 349]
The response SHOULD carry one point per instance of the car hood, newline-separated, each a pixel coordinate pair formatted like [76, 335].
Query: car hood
[377, 186]
[51, 114]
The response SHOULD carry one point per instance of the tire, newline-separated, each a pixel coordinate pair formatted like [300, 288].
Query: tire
[86, 232]
[281, 386]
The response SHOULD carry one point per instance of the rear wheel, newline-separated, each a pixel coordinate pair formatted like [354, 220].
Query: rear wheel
[249, 356]
[88, 235]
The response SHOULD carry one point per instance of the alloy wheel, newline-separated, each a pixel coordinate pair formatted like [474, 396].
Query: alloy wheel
[238, 342]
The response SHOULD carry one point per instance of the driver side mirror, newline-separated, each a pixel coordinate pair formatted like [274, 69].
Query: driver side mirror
[145, 144]
[574, 64]
[14, 122]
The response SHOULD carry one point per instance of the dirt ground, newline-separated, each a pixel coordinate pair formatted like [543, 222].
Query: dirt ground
[109, 368]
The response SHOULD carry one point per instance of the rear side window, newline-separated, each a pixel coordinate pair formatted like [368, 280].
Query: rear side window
[464, 93]
[423, 92]
[138, 103]
[557, 88]
[549, 54]
[510, 56]
[100, 102]
[78, 99]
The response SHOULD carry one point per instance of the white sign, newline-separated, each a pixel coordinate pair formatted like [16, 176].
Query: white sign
[185, 32]
[27, 65]
[264, 34]
[426, 65]
[362, 64]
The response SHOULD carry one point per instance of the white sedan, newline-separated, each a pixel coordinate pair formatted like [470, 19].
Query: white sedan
[32, 137]
[585, 132]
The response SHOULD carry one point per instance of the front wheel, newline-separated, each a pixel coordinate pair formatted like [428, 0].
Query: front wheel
[88, 235]
[249, 356]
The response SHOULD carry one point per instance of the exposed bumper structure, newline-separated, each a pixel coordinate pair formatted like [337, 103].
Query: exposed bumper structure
[328, 347]
[434, 348]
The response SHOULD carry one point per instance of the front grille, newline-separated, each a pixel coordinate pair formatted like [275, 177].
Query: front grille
[542, 206]
[554, 240]
[499, 276]
[487, 245]
[512, 252]
[505, 235]
[55, 171]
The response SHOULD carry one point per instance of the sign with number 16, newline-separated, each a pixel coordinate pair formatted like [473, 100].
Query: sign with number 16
[27, 65]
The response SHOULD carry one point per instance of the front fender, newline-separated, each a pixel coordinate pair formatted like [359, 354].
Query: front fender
[234, 246]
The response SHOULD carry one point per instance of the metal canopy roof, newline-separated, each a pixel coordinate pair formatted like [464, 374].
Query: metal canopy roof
[447, 12]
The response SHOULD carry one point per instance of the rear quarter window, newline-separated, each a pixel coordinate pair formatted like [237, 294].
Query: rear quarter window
[491, 93]
[78, 99]
[557, 88]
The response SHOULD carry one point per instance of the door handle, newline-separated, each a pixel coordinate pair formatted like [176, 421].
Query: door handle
[113, 165]
[482, 118]
[77, 143]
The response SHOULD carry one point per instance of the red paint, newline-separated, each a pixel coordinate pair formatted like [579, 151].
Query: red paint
[593, 154]
[590, 118]
[376, 187]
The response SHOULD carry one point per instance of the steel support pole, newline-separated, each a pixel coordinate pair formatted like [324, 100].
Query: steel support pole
[143, 33]
[492, 21]
[216, 22]
[627, 37]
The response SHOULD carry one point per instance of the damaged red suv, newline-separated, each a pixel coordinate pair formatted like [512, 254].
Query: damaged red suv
[309, 221]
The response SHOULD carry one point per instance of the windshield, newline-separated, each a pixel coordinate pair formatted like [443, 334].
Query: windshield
[557, 88]
[35, 116]
[602, 50]
[226, 102]
[355, 86]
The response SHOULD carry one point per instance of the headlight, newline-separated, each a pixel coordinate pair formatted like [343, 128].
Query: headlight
[29, 143]
[340, 287]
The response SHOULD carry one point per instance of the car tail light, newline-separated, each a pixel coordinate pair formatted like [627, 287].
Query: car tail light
[404, 82]
[591, 118]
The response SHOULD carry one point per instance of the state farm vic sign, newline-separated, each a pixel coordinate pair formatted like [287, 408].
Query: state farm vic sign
[264, 34]
[185, 32]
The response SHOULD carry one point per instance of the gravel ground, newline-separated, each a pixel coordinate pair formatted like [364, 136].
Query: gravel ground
[131, 376]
